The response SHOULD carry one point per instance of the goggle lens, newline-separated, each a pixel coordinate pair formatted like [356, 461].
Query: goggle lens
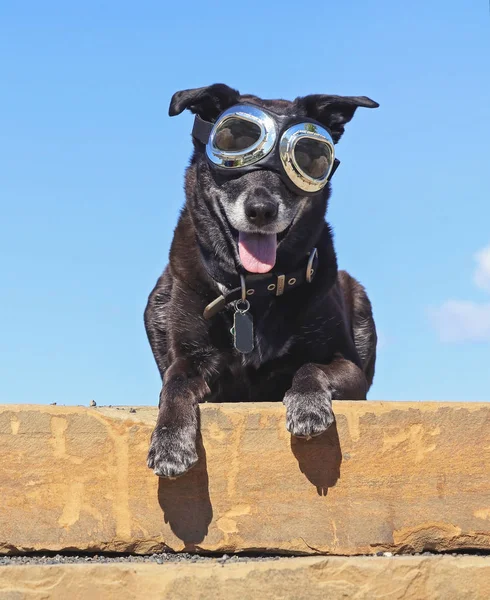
[236, 134]
[313, 157]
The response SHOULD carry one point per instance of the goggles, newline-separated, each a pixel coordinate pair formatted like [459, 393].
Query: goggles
[246, 138]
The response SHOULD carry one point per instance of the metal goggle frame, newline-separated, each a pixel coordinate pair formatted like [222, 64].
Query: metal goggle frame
[246, 138]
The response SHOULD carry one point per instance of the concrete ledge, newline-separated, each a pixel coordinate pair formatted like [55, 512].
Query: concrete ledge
[401, 477]
[335, 578]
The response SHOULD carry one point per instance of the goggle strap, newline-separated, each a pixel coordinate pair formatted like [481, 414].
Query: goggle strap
[336, 163]
[201, 130]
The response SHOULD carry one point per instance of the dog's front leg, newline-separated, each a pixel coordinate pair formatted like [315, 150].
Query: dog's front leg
[309, 400]
[189, 363]
[173, 442]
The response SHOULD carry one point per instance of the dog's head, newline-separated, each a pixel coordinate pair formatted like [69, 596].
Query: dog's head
[262, 213]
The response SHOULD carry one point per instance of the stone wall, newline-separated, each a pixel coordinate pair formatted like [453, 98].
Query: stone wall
[399, 477]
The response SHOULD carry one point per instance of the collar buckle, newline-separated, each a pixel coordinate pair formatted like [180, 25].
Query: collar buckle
[310, 271]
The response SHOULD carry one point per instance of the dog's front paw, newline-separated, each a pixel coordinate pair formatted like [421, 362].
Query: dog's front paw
[172, 450]
[308, 414]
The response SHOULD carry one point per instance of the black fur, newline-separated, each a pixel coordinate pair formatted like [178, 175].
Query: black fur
[313, 344]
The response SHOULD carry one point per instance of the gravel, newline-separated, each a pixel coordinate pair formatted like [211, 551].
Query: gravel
[63, 559]
[58, 559]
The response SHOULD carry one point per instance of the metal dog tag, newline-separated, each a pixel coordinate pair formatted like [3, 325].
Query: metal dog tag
[243, 327]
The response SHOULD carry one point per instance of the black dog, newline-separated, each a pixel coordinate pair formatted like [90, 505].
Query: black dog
[312, 343]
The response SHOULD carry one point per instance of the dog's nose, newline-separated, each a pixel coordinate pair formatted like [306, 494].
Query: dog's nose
[260, 208]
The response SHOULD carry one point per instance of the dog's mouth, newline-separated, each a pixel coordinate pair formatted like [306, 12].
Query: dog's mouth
[257, 251]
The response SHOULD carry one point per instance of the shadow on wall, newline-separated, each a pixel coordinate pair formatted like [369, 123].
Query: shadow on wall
[319, 458]
[186, 503]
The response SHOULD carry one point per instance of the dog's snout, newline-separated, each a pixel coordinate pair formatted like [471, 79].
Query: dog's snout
[260, 207]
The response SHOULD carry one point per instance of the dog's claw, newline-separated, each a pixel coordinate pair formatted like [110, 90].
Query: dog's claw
[172, 451]
[308, 415]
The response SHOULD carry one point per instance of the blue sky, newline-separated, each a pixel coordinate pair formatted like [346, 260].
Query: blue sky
[91, 176]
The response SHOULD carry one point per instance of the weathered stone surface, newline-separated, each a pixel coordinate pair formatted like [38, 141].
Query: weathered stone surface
[401, 477]
[335, 578]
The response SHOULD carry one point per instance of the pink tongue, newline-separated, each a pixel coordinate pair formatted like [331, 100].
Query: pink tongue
[257, 251]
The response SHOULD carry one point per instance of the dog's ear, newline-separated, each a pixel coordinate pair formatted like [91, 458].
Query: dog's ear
[334, 111]
[207, 102]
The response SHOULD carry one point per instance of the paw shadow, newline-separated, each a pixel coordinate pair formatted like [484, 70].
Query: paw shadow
[185, 501]
[319, 458]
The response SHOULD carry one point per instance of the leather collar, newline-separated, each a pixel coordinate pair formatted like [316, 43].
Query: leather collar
[267, 284]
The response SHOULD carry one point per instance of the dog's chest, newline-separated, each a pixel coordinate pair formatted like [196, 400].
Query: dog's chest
[270, 341]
